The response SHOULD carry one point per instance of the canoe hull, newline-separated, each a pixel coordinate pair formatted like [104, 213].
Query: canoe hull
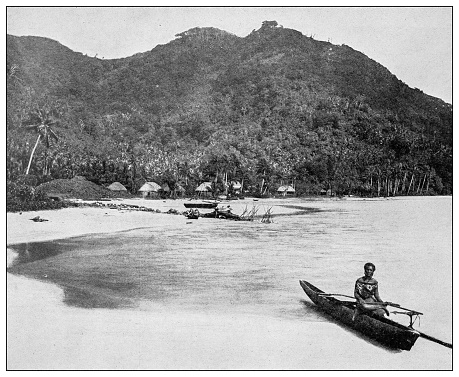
[383, 330]
[200, 205]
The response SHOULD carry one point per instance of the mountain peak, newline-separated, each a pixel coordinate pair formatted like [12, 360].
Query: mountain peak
[270, 25]
[203, 33]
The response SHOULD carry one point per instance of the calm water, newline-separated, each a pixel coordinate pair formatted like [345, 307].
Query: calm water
[218, 266]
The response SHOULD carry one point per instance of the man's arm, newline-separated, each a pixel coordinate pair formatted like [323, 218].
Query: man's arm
[377, 297]
[357, 294]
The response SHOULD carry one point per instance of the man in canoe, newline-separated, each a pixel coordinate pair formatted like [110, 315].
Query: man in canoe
[367, 294]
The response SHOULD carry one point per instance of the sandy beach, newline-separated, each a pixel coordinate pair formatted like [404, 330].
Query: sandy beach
[61, 337]
[44, 333]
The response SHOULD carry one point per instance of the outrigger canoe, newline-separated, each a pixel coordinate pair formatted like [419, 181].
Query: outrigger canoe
[381, 329]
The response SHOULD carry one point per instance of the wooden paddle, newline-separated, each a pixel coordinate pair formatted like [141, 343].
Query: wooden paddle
[435, 340]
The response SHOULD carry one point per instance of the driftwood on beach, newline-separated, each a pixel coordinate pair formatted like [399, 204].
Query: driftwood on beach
[120, 207]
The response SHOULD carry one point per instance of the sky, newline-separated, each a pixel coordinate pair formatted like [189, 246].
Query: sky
[414, 43]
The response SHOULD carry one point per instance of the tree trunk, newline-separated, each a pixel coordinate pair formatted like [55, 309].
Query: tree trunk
[266, 189]
[423, 181]
[419, 184]
[427, 186]
[134, 175]
[403, 184]
[31, 155]
[411, 181]
[44, 165]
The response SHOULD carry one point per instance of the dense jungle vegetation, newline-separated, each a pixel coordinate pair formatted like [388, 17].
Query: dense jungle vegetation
[274, 107]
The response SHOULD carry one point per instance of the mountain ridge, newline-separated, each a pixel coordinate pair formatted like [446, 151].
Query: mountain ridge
[208, 84]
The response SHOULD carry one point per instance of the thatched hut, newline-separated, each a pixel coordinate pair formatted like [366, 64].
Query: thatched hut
[204, 189]
[116, 186]
[326, 192]
[236, 187]
[150, 189]
[286, 190]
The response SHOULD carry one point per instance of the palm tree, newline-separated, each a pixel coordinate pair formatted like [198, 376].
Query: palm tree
[42, 127]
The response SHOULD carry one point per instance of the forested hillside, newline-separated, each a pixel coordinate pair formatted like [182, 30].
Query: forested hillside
[273, 107]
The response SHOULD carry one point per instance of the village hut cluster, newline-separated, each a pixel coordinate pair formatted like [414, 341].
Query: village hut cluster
[153, 190]
[205, 189]
[286, 190]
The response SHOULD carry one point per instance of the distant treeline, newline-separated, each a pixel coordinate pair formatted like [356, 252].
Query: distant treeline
[274, 107]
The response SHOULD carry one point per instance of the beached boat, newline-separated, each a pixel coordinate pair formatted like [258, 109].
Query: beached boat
[381, 329]
[200, 204]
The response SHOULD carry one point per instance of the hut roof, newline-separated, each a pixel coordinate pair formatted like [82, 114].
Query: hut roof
[150, 187]
[286, 189]
[236, 185]
[205, 186]
[116, 186]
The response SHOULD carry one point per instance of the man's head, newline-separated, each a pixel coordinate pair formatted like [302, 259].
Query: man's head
[369, 269]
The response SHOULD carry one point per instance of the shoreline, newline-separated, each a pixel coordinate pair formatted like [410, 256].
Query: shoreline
[76, 221]
[86, 220]
[162, 206]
